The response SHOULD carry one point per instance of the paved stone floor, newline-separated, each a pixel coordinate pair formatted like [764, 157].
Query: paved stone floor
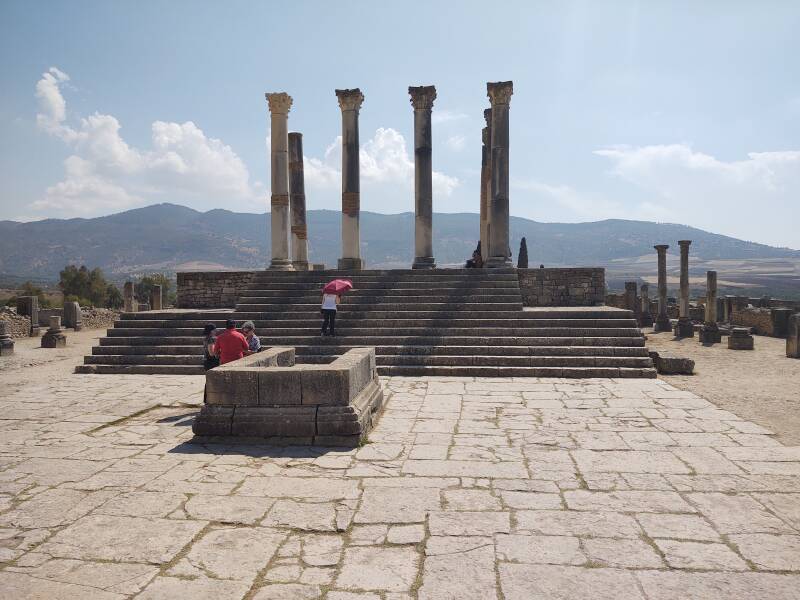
[514, 489]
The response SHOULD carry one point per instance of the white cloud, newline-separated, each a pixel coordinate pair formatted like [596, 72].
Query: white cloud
[456, 143]
[444, 115]
[105, 173]
[755, 198]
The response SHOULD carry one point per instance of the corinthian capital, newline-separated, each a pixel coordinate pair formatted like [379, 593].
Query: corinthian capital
[500, 92]
[350, 99]
[422, 96]
[279, 102]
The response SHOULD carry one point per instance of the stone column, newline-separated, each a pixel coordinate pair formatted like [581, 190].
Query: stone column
[684, 328]
[500, 96]
[486, 183]
[28, 306]
[793, 339]
[710, 334]
[350, 102]
[645, 318]
[422, 98]
[6, 342]
[54, 337]
[127, 297]
[297, 196]
[72, 315]
[630, 298]
[662, 320]
[156, 298]
[279, 105]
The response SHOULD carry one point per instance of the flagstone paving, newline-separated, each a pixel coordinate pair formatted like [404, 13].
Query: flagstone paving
[468, 488]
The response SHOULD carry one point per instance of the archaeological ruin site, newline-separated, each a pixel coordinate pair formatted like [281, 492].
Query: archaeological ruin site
[500, 431]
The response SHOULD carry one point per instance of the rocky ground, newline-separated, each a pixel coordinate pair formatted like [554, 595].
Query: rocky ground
[761, 385]
[469, 489]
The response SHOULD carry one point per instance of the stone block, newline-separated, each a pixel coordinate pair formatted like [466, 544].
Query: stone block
[54, 340]
[740, 339]
[213, 420]
[780, 321]
[326, 384]
[710, 334]
[6, 342]
[156, 298]
[72, 315]
[232, 387]
[793, 337]
[274, 421]
[667, 364]
[684, 328]
[279, 385]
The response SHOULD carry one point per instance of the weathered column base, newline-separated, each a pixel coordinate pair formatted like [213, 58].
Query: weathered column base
[684, 328]
[54, 339]
[424, 262]
[740, 339]
[6, 347]
[300, 265]
[499, 262]
[710, 334]
[350, 264]
[662, 323]
[281, 264]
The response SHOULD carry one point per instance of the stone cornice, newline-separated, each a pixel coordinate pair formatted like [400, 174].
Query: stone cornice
[350, 99]
[499, 92]
[279, 102]
[422, 96]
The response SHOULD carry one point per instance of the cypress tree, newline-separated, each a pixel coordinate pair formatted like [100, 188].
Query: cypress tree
[522, 257]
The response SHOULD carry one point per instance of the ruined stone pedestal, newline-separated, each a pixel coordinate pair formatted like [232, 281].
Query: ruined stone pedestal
[6, 341]
[684, 328]
[266, 396]
[793, 337]
[54, 337]
[710, 334]
[156, 297]
[667, 364]
[740, 339]
[72, 315]
[28, 306]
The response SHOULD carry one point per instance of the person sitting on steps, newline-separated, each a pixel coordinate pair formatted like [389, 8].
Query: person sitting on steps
[249, 331]
[231, 345]
[329, 307]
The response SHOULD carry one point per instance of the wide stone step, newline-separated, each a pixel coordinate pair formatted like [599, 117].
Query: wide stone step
[345, 311]
[378, 299]
[377, 285]
[568, 372]
[120, 339]
[143, 359]
[485, 307]
[622, 351]
[516, 361]
[141, 369]
[451, 341]
[530, 331]
[143, 350]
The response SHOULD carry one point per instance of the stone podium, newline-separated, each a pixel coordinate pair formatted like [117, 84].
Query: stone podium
[740, 339]
[267, 396]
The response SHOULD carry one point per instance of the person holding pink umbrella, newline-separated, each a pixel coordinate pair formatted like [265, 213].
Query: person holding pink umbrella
[331, 296]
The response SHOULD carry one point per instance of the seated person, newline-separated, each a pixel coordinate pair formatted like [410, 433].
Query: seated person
[476, 262]
[231, 345]
[210, 358]
[249, 331]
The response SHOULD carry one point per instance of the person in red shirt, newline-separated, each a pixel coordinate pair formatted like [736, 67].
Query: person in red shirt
[231, 345]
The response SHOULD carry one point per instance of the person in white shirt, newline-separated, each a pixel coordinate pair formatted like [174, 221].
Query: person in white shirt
[329, 303]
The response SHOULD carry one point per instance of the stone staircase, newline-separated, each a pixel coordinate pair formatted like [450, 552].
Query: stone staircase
[438, 322]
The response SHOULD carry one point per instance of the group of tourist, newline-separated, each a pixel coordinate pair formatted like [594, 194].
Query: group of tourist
[220, 347]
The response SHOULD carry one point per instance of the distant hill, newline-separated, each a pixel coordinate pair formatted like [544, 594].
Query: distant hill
[168, 237]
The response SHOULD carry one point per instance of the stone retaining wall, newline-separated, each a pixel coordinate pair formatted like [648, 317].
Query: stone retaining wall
[211, 289]
[562, 287]
[758, 319]
[18, 326]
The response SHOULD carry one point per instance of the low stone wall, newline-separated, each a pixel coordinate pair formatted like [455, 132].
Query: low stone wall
[758, 319]
[18, 326]
[46, 313]
[562, 287]
[98, 318]
[211, 289]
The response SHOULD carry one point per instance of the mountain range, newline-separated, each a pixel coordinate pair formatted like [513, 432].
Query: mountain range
[169, 237]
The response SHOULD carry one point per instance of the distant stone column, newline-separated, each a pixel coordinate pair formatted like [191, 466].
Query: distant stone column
[127, 297]
[486, 183]
[645, 318]
[793, 338]
[422, 98]
[350, 102]
[72, 315]
[662, 320]
[279, 105]
[297, 196]
[156, 298]
[630, 298]
[6, 341]
[54, 337]
[500, 96]
[709, 333]
[684, 327]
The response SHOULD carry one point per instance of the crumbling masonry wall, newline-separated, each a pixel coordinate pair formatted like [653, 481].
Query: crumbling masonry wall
[562, 287]
[211, 289]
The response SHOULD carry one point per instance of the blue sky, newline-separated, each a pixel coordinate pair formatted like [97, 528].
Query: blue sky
[685, 112]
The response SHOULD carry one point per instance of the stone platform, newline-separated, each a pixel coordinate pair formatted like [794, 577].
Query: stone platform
[267, 397]
[469, 488]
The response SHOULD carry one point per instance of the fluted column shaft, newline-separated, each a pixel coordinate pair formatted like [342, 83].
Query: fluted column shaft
[422, 98]
[500, 95]
[486, 183]
[297, 201]
[350, 102]
[684, 299]
[662, 320]
[279, 105]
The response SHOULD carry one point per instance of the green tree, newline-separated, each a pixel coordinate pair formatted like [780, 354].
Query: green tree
[114, 297]
[89, 288]
[144, 286]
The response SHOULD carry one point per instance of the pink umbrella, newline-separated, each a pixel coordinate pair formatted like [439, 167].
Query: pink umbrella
[338, 287]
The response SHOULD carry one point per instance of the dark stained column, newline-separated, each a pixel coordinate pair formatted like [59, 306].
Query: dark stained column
[422, 98]
[297, 202]
[499, 253]
[662, 320]
[350, 102]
